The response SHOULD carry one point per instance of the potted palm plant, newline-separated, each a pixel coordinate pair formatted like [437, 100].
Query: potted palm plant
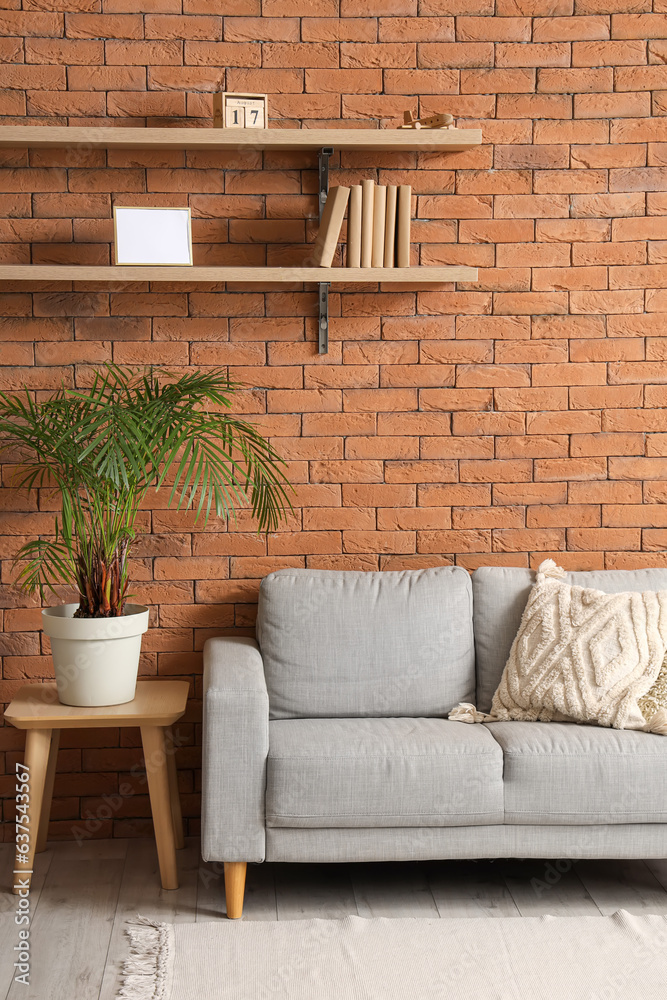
[101, 450]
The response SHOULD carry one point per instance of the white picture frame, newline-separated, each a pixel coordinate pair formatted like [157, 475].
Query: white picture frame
[152, 236]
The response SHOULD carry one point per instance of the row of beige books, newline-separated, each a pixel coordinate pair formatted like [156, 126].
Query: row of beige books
[378, 225]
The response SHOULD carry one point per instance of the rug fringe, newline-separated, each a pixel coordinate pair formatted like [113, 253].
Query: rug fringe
[145, 972]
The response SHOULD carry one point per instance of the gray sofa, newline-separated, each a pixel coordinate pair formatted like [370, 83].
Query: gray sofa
[327, 739]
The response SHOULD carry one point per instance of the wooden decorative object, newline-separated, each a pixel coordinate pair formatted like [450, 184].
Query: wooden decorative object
[240, 110]
[433, 121]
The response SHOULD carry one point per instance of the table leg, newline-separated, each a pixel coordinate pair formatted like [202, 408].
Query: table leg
[37, 746]
[152, 738]
[43, 830]
[174, 797]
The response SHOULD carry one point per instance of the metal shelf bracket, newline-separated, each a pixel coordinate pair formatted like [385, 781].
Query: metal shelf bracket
[323, 312]
[323, 159]
[323, 324]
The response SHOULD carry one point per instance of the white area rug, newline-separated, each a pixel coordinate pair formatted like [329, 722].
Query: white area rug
[622, 957]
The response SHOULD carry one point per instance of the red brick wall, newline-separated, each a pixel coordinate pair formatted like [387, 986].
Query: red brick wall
[495, 423]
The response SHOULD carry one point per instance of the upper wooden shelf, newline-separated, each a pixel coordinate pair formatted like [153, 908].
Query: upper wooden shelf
[252, 275]
[42, 136]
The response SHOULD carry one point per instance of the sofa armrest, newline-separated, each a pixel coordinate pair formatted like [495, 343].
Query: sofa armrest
[236, 745]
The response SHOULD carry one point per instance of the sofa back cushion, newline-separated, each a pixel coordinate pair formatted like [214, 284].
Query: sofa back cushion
[345, 645]
[499, 598]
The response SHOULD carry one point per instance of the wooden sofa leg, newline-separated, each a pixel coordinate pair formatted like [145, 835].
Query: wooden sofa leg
[235, 872]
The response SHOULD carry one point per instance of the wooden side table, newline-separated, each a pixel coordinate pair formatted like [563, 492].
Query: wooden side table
[157, 705]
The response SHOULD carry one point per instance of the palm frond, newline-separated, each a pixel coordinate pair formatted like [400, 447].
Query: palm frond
[103, 448]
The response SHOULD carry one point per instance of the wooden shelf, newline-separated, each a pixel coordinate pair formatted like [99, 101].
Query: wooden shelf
[104, 137]
[250, 275]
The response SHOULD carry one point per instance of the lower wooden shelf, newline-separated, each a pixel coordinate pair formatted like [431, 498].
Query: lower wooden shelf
[251, 275]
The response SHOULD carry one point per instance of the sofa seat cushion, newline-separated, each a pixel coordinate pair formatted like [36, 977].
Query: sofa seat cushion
[562, 773]
[361, 645]
[382, 773]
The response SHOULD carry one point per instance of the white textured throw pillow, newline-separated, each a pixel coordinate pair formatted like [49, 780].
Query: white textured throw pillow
[582, 656]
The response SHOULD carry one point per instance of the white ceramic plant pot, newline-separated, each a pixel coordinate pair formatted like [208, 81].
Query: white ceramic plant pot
[96, 660]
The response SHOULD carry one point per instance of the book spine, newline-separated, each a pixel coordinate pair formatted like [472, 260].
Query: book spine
[379, 218]
[330, 226]
[367, 204]
[390, 227]
[403, 225]
[354, 227]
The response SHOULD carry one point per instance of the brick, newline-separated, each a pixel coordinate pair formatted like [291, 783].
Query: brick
[534, 446]
[510, 29]
[630, 53]
[382, 495]
[638, 277]
[534, 398]
[455, 399]
[441, 496]
[102, 25]
[570, 279]
[347, 81]
[342, 29]
[599, 397]
[638, 26]
[379, 541]
[293, 8]
[590, 131]
[494, 81]
[384, 55]
[261, 29]
[493, 231]
[530, 303]
[617, 301]
[436, 55]
[531, 255]
[606, 444]
[603, 538]
[612, 105]
[608, 253]
[563, 516]
[608, 156]
[143, 53]
[425, 81]
[421, 471]
[528, 156]
[39, 77]
[532, 206]
[452, 7]
[638, 468]
[534, 106]
[413, 423]
[551, 54]
[553, 469]
[453, 541]
[605, 493]
[621, 349]
[528, 539]
[570, 29]
[411, 519]
[510, 471]
[575, 81]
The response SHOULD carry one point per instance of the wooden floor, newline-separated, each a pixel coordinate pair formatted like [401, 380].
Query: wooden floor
[82, 897]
